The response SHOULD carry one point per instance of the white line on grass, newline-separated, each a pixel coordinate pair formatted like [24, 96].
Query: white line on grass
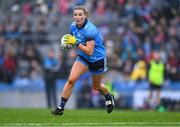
[96, 124]
[89, 126]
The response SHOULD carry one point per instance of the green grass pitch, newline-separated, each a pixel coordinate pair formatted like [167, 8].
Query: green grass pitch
[87, 117]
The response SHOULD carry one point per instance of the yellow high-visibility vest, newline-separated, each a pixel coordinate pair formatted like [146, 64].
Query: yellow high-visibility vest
[156, 73]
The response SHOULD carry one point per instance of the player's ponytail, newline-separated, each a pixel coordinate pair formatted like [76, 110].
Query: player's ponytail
[84, 9]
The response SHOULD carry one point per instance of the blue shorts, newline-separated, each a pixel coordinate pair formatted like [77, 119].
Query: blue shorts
[97, 67]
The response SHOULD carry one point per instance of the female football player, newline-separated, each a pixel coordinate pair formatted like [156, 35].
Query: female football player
[91, 56]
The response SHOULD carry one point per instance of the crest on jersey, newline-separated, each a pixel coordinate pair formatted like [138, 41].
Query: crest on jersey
[78, 34]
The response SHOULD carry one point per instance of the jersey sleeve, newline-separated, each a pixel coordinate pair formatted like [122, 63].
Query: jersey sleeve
[91, 34]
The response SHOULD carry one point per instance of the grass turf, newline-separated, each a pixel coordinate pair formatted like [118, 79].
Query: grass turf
[87, 117]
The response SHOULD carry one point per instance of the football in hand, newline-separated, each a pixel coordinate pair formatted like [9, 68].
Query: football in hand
[64, 42]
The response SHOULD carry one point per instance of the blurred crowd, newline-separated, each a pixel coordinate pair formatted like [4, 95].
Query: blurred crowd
[132, 31]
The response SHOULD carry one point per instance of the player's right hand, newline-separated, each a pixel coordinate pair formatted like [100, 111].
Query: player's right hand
[69, 39]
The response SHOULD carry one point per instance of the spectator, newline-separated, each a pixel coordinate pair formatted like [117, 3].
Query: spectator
[172, 66]
[26, 32]
[1, 65]
[13, 32]
[51, 68]
[27, 9]
[2, 30]
[41, 33]
[156, 77]
[139, 71]
[9, 66]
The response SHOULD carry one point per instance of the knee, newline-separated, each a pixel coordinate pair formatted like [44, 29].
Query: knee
[95, 87]
[71, 82]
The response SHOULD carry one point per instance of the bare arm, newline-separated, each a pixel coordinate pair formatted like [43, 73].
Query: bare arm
[88, 48]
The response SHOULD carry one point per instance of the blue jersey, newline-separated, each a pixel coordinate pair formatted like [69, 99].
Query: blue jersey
[86, 33]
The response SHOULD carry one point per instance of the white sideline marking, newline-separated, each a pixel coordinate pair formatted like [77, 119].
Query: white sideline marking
[125, 124]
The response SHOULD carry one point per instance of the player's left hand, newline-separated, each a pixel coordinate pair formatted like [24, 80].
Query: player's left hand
[66, 47]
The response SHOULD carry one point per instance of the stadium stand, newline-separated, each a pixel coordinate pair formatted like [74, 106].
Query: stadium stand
[132, 30]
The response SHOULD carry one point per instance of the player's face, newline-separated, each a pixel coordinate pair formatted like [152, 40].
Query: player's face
[79, 17]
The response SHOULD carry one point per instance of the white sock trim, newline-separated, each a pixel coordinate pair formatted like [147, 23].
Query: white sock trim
[59, 107]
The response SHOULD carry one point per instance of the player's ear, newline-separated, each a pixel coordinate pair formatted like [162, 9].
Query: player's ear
[87, 15]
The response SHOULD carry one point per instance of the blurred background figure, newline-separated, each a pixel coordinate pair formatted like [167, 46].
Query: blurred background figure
[156, 77]
[51, 67]
[139, 71]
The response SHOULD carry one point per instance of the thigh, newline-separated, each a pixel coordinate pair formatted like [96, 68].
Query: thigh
[77, 70]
